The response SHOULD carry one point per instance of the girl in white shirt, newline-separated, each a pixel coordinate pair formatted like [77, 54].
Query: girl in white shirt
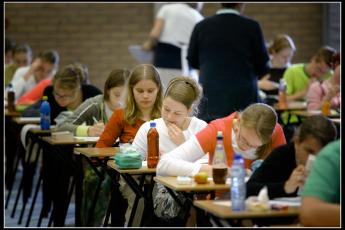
[176, 125]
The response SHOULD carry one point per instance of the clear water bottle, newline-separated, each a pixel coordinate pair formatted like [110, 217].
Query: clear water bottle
[238, 184]
[11, 98]
[45, 114]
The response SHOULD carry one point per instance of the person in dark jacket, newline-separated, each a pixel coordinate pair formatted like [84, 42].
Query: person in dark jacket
[284, 170]
[229, 51]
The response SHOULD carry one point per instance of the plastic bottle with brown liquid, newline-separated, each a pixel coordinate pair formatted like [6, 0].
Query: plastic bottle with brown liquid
[11, 97]
[326, 108]
[152, 146]
[219, 162]
[282, 98]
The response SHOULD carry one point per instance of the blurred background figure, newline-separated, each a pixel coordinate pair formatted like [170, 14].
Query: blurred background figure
[9, 47]
[22, 57]
[327, 91]
[169, 38]
[281, 51]
[43, 67]
[298, 77]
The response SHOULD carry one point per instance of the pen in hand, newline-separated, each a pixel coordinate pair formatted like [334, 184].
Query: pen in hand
[95, 120]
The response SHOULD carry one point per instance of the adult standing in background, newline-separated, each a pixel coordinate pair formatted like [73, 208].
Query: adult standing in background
[169, 38]
[229, 51]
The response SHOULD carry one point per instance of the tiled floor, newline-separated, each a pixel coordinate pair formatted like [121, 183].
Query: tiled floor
[13, 222]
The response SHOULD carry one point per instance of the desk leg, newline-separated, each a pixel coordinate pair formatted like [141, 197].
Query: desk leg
[118, 218]
[78, 189]
[137, 191]
[148, 205]
[100, 175]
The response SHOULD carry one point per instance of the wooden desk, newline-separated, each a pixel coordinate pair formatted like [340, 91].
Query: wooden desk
[308, 113]
[68, 141]
[138, 188]
[225, 212]
[12, 113]
[143, 169]
[188, 191]
[61, 165]
[27, 120]
[97, 152]
[336, 120]
[292, 105]
[171, 182]
[93, 156]
[34, 136]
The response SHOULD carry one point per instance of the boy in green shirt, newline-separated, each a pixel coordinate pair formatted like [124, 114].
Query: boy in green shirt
[297, 76]
[321, 193]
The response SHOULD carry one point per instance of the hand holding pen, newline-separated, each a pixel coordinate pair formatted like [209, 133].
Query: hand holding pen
[97, 129]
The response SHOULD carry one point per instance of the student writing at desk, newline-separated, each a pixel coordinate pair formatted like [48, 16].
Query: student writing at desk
[281, 51]
[89, 119]
[321, 193]
[327, 91]
[283, 171]
[66, 94]
[143, 102]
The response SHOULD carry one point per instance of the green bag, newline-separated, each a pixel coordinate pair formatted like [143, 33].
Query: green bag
[131, 160]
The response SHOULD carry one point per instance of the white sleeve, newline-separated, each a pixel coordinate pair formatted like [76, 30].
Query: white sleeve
[161, 12]
[140, 140]
[19, 87]
[181, 160]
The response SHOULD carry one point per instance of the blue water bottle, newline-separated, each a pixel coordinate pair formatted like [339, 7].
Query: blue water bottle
[45, 113]
[238, 184]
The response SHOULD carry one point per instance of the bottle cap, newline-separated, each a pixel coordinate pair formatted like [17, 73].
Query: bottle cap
[152, 124]
[45, 98]
[238, 156]
[219, 135]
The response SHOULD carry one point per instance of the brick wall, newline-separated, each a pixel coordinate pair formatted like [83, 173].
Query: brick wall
[98, 34]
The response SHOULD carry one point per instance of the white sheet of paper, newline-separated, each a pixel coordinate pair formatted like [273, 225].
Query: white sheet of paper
[88, 138]
[140, 55]
[290, 201]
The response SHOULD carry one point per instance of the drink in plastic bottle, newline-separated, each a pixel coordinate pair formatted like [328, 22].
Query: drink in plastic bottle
[11, 98]
[282, 98]
[238, 185]
[152, 146]
[326, 108]
[45, 114]
[219, 163]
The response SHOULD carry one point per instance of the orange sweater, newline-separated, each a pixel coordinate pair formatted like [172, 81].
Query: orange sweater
[34, 94]
[117, 127]
[208, 138]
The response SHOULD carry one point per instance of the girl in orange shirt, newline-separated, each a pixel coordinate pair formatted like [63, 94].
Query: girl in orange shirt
[143, 103]
[253, 133]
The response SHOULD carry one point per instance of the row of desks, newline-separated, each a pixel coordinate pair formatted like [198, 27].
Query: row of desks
[209, 206]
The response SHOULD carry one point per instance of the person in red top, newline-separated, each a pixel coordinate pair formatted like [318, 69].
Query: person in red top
[143, 103]
[253, 133]
[34, 94]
